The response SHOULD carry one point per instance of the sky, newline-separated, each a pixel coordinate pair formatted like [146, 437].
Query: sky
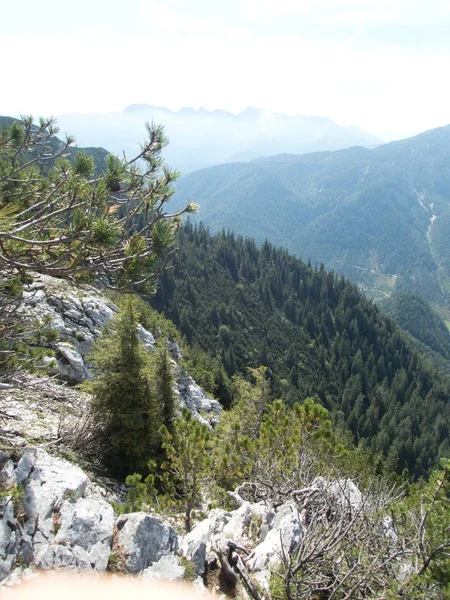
[382, 65]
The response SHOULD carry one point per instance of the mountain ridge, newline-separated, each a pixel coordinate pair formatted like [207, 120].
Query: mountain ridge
[381, 217]
[201, 137]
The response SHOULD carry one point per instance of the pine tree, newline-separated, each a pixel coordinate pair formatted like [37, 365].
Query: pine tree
[188, 452]
[124, 405]
[60, 217]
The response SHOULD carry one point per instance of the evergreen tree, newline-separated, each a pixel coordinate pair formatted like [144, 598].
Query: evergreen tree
[188, 452]
[316, 334]
[60, 217]
[123, 402]
[165, 395]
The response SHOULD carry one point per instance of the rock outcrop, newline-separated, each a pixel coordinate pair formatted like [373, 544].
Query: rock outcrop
[78, 315]
[264, 532]
[52, 516]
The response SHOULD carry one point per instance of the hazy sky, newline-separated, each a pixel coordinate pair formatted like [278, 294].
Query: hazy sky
[383, 64]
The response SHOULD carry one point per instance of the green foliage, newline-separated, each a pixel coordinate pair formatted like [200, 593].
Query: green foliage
[190, 569]
[426, 510]
[317, 335]
[60, 216]
[188, 456]
[208, 371]
[124, 403]
[257, 434]
[165, 382]
[149, 318]
[117, 561]
[428, 330]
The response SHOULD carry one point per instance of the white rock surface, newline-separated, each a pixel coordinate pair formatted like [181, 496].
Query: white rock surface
[284, 535]
[87, 524]
[50, 523]
[256, 527]
[196, 545]
[203, 407]
[167, 568]
[78, 314]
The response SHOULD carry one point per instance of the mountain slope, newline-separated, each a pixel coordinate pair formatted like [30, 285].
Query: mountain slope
[200, 138]
[317, 334]
[381, 217]
[428, 330]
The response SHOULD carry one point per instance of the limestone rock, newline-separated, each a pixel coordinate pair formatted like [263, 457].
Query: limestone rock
[167, 568]
[257, 527]
[342, 491]
[145, 540]
[78, 314]
[237, 527]
[88, 524]
[71, 364]
[49, 523]
[9, 537]
[196, 545]
[47, 482]
[284, 535]
[203, 407]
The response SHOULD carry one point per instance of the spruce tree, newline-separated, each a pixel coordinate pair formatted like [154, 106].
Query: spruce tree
[165, 395]
[124, 405]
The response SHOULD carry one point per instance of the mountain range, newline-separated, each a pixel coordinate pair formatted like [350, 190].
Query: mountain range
[380, 217]
[200, 138]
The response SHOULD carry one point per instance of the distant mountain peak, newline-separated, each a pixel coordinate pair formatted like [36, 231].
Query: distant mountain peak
[136, 109]
[200, 137]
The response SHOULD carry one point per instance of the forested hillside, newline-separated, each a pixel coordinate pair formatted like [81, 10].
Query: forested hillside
[427, 329]
[317, 334]
[381, 217]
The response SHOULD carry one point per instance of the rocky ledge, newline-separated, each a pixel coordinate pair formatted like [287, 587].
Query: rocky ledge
[53, 516]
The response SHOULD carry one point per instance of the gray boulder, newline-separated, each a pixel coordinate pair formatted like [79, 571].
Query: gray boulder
[49, 523]
[87, 524]
[144, 539]
[47, 482]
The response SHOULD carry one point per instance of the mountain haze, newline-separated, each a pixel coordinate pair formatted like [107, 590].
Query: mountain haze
[200, 138]
[381, 217]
